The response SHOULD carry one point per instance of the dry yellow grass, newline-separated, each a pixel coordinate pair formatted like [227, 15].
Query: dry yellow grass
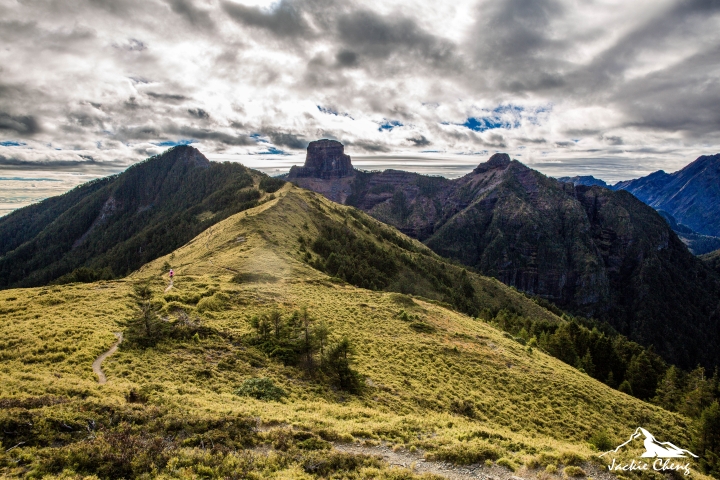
[528, 407]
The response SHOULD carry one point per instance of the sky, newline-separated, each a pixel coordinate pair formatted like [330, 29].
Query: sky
[609, 88]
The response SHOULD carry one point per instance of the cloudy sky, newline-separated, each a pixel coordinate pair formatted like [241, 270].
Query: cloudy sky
[612, 88]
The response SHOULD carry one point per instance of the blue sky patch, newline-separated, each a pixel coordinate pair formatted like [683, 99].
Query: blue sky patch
[330, 111]
[258, 138]
[503, 116]
[273, 151]
[23, 179]
[171, 143]
[389, 125]
[12, 143]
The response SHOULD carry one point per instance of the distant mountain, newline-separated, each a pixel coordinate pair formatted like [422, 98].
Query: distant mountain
[112, 226]
[691, 195]
[688, 199]
[593, 251]
[587, 180]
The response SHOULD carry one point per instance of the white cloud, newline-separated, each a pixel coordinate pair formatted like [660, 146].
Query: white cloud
[112, 79]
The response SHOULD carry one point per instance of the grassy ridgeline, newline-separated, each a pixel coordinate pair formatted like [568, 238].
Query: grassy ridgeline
[459, 390]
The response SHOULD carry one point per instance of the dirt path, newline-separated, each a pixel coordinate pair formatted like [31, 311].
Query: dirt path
[416, 463]
[169, 286]
[97, 364]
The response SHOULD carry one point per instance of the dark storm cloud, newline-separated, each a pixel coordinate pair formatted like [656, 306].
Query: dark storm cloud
[21, 124]
[368, 146]
[367, 33]
[346, 58]
[419, 141]
[209, 134]
[284, 20]
[167, 97]
[513, 47]
[684, 97]
[289, 140]
[79, 164]
[199, 113]
[187, 9]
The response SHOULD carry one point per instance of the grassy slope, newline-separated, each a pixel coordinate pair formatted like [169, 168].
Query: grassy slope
[530, 404]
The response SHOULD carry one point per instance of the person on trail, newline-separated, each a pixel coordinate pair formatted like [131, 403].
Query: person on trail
[172, 274]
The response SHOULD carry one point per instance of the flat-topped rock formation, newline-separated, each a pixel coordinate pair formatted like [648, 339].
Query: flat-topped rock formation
[325, 159]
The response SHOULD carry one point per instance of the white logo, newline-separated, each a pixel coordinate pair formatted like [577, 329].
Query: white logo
[653, 449]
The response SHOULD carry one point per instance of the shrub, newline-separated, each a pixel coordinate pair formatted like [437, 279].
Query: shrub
[573, 471]
[214, 303]
[261, 389]
[465, 453]
[323, 464]
[423, 327]
[570, 458]
[270, 184]
[602, 441]
[249, 277]
[507, 463]
[465, 408]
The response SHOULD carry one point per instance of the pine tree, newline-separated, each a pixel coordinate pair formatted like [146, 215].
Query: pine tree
[669, 390]
[642, 376]
[586, 363]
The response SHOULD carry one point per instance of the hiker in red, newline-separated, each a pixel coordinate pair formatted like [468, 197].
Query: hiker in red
[172, 274]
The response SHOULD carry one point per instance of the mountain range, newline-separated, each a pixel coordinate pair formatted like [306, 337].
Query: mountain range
[688, 198]
[593, 251]
[589, 250]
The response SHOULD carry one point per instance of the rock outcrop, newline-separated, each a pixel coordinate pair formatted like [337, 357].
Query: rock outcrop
[325, 159]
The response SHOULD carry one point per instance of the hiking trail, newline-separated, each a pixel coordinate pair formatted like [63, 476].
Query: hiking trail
[97, 364]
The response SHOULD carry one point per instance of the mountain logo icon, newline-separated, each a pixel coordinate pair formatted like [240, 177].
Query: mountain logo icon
[653, 447]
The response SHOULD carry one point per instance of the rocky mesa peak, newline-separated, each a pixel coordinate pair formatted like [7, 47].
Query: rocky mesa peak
[325, 159]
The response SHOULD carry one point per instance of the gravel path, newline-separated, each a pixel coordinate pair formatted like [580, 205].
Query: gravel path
[416, 463]
[97, 364]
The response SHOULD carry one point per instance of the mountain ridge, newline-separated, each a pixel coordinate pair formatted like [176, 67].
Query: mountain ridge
[591, 250]
[118, 223]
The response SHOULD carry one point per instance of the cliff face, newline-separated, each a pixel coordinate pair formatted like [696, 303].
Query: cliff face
[325, 159]
[591, 250]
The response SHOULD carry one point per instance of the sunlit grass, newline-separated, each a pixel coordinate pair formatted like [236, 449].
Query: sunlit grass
[465, 387]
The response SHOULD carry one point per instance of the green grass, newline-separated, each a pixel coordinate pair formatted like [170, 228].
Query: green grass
[458, 389]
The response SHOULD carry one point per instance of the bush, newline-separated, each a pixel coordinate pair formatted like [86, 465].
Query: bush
[507, 463]
[261, 389]
[573, 471]
[602, 441]
[214, 303]
[248, 277]
[270, 184]
[465, 454]
[423, 327]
